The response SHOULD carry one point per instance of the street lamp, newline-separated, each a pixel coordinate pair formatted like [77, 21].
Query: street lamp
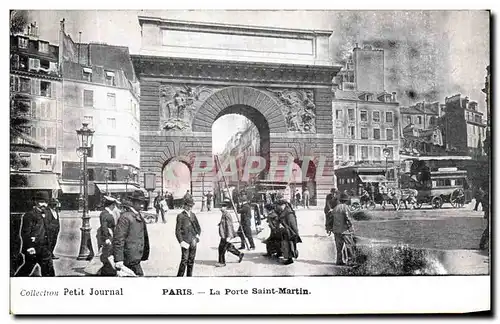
[386, 153]
[106, 177]
[85, 135]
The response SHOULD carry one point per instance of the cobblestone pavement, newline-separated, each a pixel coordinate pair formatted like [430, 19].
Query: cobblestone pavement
[453, 235]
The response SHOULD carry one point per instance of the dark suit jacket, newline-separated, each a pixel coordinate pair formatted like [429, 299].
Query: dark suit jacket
[245, 212]
[34, 232]
[288, 220]
[131, 241]
[331, 202]
[53, 226]
[107, 223]
[187, 227]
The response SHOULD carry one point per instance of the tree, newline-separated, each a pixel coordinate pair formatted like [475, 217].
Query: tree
[18, 21]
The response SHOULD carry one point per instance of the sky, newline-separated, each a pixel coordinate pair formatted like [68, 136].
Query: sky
[428, 54]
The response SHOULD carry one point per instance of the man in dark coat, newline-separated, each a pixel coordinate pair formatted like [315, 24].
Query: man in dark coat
[340, 224]
[131, 241]
[331, 201]
[226, 233]
[484, 243]
[209, 200]
[35, 242]
[245, 212]
[289, 231]
[53, 224]
[479, 196]
[273, 242]
[187, 232]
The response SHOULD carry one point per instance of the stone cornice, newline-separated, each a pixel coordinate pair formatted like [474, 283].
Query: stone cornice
[222, 70]
[232, 29]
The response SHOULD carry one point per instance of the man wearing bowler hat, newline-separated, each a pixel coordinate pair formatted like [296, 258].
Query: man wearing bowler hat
[35, 241]
[131, 241]
[187, 231]
[53, 224]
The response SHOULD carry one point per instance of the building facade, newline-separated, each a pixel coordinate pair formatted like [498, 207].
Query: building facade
[100, 89]
[35, 79]
[365, 117]
[422, 115]
[464, 127]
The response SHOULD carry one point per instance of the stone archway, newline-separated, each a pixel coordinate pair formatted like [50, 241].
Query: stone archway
[291, 105]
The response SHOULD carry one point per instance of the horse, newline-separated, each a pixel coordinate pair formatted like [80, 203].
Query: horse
[397, 196]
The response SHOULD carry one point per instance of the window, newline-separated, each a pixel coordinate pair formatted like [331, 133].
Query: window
[43, 47]
[352, 154]
[350, 112]
[88, 98]
[45, 65]
[389, 134]
[112, 151]
[110, 78]
[338, 114]
[35, 87]
[419, 120]
[91, 174]
[364, 153]
[34, 64]
[388, 117]
[339, 151]
[111, 100]
[364, 133]
[45, 162]
[15, 61]
[112, 123]
[376, 116]
[25, 85]
[22, 42]
[408, 119]
[45, 89]
[376, 153]
[14, 83]
[352, 131]
[89, 120]
[87, 74]
[339, 132]
[376, 133]
[364, 115]
[34, 112]
[112, 175]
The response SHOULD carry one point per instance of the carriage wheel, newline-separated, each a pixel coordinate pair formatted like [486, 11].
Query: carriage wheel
[355, 206]
[437, 202]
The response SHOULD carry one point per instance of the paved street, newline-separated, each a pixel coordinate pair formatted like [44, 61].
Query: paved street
[448, 235]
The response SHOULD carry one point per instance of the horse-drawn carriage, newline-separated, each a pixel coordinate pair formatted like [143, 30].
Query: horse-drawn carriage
[446, 185]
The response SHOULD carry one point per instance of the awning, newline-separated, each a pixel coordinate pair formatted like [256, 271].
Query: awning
[371, 178]
[70, 188]
[87, 70]
[117, 187]
[38, 181]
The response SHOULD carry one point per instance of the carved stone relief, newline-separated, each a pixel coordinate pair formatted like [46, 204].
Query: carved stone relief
[298, 108]
[178, 104]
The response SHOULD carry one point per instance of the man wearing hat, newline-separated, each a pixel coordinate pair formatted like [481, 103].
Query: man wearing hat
[53, 224]
[209, 200]
[187, 231]
[245, 223]
[289, 231]
[35, 242]
[226, 233]
[331, 201]
[131, 241]
[340, 224]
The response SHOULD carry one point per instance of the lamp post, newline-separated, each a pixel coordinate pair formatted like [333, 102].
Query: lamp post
[386, 152]
[106, 177]
[85, 135]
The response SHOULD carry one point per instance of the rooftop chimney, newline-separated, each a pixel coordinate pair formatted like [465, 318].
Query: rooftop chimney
[394, 97]
[61, 23]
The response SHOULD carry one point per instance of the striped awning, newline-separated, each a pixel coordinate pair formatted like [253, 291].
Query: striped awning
[38, 181]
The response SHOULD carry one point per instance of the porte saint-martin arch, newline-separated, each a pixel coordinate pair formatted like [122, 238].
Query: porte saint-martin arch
[191, 74]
